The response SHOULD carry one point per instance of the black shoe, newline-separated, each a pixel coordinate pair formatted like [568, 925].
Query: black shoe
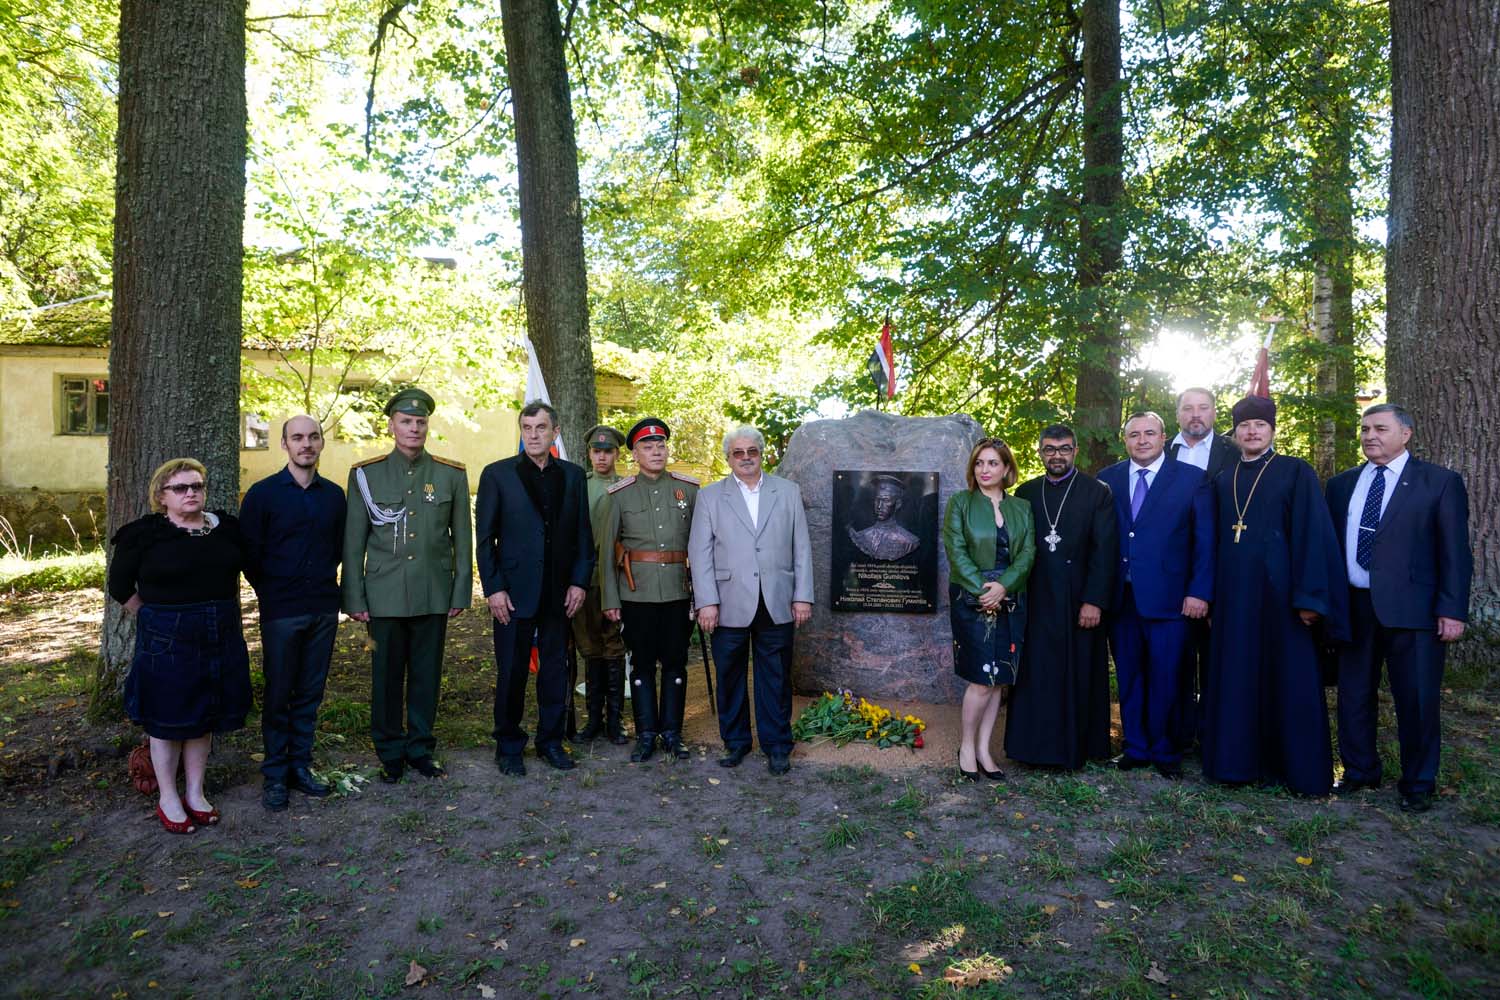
[391, 771]
[301, 780]
[558, 758]
[645, 747]
[1351, 785]
[1416, 802]
[779, 763]
[511, 764]
[995, 775]
[427, 767]
[1172, 772]
[1125, 762]
[671, 743]
[273, 796]
[733, 757]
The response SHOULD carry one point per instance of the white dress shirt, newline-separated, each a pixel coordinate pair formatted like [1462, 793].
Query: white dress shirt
[1151, 471]
[1194, 454]
[1358, 575]
[751, 494]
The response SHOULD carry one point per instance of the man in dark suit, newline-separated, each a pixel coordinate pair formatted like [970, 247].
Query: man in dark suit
[1165, 517]
[1404, 527]
[1197, 444]
[536, 556]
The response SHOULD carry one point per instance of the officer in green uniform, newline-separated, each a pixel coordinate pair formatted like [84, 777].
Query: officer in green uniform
[645, 585]
[408, 550]
[597, 638]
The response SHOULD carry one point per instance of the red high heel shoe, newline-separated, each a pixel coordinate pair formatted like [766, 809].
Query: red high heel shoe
[202, 818]
[185, 826]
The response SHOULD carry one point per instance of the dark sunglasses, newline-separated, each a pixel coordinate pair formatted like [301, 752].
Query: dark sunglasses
[181, 488]
[745, 453]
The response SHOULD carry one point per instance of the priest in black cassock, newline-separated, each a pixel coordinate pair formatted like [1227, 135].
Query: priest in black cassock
[1059, 707]
[1280, 589]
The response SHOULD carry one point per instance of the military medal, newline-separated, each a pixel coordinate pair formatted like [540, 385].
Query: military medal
[427, 494]
[681, 499]
[1052, 537]
[1239, 524]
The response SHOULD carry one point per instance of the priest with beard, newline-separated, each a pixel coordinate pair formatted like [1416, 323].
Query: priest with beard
[1059, 706]
[1281, 589]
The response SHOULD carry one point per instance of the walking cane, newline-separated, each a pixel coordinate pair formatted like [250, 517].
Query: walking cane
[572, 724]
[708, 673]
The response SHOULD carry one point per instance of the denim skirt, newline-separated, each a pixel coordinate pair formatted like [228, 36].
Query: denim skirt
[191, 672]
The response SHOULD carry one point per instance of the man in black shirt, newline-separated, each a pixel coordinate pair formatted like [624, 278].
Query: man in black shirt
[294, 527]
[536, 557]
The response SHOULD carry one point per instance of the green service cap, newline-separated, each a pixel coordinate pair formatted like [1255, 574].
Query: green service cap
[413, 401]
[605, 438]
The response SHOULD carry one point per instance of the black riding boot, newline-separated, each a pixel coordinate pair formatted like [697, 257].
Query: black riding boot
[673, 704]
[643, 705]
[614, 703]
[596, 680]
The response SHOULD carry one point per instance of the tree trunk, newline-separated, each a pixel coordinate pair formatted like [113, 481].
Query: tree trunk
[1443, 258]
[1100, 236]
[553, 279]
[1335, 439]
[174, 356]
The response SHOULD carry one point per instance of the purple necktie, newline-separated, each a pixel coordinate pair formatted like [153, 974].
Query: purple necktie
[1139, 496]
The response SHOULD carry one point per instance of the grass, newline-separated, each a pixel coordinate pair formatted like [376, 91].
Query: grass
[52, 573]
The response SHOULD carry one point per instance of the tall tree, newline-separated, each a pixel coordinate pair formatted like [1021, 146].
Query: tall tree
[1100, 234]
[554, 282]
[179, 217]
[1443, 256]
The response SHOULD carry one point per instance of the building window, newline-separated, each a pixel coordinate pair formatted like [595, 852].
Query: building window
[257, 432]
[85, 404]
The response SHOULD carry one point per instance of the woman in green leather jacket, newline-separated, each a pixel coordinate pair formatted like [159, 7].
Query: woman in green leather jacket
[991, 546]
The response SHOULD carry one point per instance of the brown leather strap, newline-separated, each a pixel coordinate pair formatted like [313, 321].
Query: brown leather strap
[646, 555]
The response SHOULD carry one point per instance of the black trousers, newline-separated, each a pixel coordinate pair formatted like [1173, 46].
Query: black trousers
[657, 636]
[772, 646]
[295, 652]
[1413, 660]
[1187, 726]
[407, 671]
[549, 630]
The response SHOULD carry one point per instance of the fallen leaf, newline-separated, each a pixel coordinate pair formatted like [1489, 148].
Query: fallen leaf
[801, 966]
[713, 781]
[415, 973]
[1238, 878]
[1050, 909]
[709, 911]
[137, 935]
[1304, 861]
[487, 992]
[1156, 975]
[247, 883]
[578, 942]
[723, 841]
[988, 972]
[914, 969]
[659, 885]
[909, 835]
[1104, 904]
[675, 911]
[164, 913]
[500, 945]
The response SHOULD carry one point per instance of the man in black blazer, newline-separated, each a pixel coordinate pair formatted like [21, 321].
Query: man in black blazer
[536, 556]
[1404, 527]
[1197, 444]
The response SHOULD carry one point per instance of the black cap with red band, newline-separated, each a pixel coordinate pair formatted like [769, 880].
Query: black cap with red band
[645, 429]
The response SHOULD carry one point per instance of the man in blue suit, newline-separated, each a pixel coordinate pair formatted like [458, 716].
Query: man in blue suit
[1165, 516]
[1404, 527]
[536, 557]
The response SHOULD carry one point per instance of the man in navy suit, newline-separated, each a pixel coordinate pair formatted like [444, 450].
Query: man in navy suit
[1165, 516]
[536, 557]
[1404, 527]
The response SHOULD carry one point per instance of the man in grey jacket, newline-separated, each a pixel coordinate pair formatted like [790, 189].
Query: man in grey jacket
[752, 582]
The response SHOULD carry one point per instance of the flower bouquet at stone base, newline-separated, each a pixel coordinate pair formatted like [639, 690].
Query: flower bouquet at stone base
[842, 719]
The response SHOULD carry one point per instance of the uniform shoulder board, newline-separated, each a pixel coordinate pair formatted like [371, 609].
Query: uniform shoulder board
[681, 478]
[369, 461]
[617, 487]
[451, 462]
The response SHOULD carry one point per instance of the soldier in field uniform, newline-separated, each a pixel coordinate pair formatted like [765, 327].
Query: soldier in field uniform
[598, 639]
[408, 549]
[646, 587]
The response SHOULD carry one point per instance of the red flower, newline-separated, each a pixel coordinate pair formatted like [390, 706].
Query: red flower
[917, 743]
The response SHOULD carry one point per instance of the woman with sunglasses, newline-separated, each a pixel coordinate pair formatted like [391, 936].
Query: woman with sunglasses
[989, 539]
[177, 570]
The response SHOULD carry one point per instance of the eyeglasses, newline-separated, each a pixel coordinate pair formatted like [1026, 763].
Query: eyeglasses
[181, 488]
[745, 453]
[1049, 450]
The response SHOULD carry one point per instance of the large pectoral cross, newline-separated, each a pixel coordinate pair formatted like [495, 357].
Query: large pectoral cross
[1238, 527]
[1052, 538]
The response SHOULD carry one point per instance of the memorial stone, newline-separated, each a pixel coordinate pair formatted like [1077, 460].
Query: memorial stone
[904, 655]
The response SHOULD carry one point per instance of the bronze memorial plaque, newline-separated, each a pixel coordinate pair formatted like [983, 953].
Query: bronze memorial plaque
[885, 541]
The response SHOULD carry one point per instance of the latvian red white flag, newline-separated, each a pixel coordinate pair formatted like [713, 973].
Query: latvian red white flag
[882, 363]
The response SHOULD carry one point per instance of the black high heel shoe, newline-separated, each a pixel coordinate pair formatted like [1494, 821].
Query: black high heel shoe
[995, 775]
[967, 775]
